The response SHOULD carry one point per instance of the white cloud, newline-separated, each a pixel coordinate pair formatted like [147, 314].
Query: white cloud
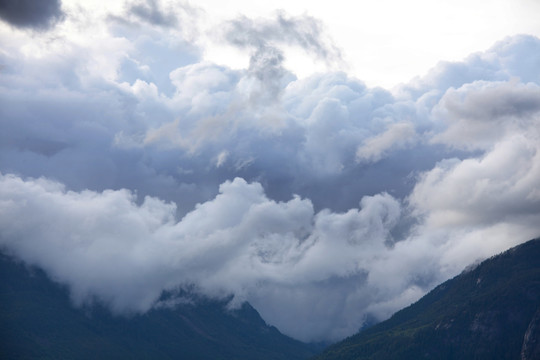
[481, 113]
[494, 188]
[395, 137]
[105, 246]
[221, 158]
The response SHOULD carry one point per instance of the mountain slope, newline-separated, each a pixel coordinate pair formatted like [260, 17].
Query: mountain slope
[490, 312]
[37, 321]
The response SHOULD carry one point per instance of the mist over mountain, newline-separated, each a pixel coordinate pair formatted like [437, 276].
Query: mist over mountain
[38, 321]
[490, 311]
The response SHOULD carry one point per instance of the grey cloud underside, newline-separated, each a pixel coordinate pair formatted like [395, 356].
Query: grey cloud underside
[151, 12]
[124, 186]
[303, 31]
[31, 14]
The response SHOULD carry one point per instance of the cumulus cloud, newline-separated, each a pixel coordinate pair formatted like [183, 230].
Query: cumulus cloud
[240, 243]
[36, 15]
[481, 113]
[138, 168]
[501, 183]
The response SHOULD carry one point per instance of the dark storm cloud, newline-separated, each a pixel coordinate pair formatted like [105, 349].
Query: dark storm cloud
[31, 14]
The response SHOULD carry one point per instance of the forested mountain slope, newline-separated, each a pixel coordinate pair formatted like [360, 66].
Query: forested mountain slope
[37, 321]
[489, 312]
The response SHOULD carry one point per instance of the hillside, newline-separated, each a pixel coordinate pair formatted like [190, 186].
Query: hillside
[37, 321]
[489, 312]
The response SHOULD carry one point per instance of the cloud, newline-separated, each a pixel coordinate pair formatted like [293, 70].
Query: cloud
[481, 113]
[509, 170]
[264, 38]
[513, 57]
[157, 15]
[303, 31]
[150, 11]
[397, 136]
[502, 119]
[35, 15]
[221, 158]
[242, 243]
[138, 168]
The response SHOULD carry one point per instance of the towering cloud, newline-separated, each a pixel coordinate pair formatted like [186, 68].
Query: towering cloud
[139, 168]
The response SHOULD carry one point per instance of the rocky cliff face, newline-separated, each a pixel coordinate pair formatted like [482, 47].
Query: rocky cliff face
[531, 341]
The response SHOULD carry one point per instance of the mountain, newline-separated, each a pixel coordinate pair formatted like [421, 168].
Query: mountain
[37, 321]
[491, 311]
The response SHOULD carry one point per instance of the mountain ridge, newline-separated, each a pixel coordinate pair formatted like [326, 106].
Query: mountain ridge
[490, 311]
[38, 321]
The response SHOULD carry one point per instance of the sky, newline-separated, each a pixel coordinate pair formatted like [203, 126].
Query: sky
[329, 165]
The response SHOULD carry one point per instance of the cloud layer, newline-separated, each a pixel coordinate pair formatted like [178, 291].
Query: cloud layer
[139, 168]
